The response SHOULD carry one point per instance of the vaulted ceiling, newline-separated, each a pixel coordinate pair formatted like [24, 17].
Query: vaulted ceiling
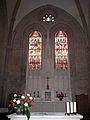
[20, 8]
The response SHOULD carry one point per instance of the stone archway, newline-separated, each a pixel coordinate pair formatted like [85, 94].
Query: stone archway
[63, 21]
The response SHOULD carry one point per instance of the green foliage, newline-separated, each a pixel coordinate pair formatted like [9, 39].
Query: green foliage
[21, 104]
[27, 112]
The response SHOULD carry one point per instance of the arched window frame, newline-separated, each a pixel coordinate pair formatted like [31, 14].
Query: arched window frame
[61, 50]
[35, 50]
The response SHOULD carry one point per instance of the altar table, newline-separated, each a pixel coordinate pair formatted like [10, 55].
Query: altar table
[46, 116]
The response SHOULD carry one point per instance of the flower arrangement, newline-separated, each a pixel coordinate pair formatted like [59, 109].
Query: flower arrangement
[60, 95]
[21, 103]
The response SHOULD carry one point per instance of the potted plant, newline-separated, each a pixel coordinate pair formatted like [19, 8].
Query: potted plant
[60, 96]
[20, 104]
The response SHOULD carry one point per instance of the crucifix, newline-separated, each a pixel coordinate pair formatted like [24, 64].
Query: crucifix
[47, 82]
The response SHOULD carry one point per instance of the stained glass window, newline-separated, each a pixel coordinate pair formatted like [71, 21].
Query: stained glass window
[48, 18]
[61, 50]
[35, 48]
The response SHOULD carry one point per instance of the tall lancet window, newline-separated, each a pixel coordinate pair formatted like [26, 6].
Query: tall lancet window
[35, 50]
[61, 50]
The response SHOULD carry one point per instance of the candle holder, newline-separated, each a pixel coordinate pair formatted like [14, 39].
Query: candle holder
[30, 94]
[38, 94]
[67, 114]
[74, 113]
[34, 94]
[56, 93]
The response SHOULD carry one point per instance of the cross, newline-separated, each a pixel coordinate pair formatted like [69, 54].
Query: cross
[47, 82]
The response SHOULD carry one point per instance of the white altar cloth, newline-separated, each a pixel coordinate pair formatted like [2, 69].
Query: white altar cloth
[46, 116]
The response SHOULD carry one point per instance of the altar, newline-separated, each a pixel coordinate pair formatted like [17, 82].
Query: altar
[46, 116]
[48, 106]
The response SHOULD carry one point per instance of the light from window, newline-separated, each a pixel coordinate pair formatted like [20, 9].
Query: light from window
[61, 50]
[48, 18]
[35, 48]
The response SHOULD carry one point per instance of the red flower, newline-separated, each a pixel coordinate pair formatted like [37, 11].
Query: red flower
[19, 98]
[61, 94]
[22, 103]
[31, 103]
[27, 98]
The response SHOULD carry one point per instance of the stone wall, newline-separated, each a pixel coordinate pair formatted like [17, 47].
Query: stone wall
[13, 57]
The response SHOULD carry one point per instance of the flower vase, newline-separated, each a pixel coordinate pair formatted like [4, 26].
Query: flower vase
[60, 98]
[18, 112]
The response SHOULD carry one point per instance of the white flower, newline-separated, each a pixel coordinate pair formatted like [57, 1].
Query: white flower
[18, 101]
[28, 95]
[15, 95]
[14, 100]
[25, 104]
[30, 98]
[23, 97]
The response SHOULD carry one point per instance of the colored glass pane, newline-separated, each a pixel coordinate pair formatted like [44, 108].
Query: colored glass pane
[61, 50]
[35, 48]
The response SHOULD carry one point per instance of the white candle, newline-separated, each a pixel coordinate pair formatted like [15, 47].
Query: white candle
[67, 107]
[71, 107]
[75, 107]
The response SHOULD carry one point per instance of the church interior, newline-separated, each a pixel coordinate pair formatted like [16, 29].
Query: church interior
[45, 51]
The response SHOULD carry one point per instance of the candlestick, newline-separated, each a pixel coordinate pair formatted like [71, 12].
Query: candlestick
[67, 107]
[75, 110]
[37, 93]
[71, 107]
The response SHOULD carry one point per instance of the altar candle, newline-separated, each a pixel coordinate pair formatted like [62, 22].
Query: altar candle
[75, 107]
[67, 107]
[71, 107]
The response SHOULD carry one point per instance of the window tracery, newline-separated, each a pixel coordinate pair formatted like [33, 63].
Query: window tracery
[48, 18]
